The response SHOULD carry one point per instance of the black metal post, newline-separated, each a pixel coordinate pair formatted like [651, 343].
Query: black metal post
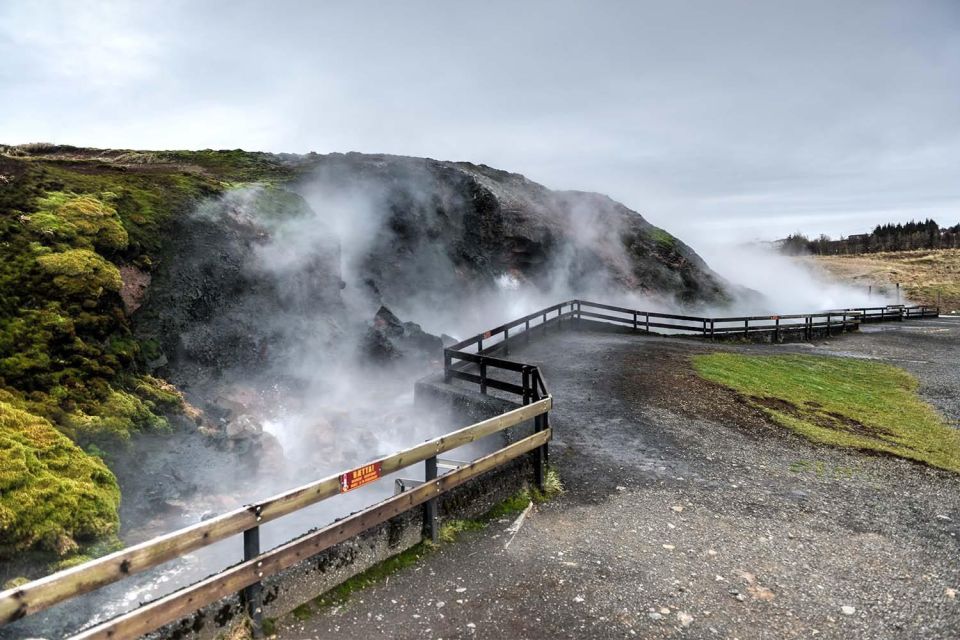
[447, 365]
[430, 529]
[778, 329]
[506, 343]
[483, 376]
[634, 320]
[252, 595]
[540, 454]
[526, 385]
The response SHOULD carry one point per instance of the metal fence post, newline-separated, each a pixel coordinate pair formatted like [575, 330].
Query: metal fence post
[252, 595]
[430, 529]
[634, 320]
[541, 453]
[778, 329]
[447, 365]
[646, 321]
[711, 329]
[506, 345]
[483, 376]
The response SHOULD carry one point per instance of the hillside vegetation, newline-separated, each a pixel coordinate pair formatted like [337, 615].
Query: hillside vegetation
[925, 276]
[70, 384]
[843, 402]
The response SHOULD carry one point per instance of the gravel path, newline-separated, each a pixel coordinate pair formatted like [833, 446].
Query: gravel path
[688, 515]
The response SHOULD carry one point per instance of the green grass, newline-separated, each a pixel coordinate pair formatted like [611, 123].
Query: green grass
[843, 402]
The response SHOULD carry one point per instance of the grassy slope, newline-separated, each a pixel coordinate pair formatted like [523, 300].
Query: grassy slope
[841, 401]
[69, 218]
[922, 274]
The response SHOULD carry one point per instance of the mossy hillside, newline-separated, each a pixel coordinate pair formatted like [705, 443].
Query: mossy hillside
[52, 494]
[68, 359]
[844, 402]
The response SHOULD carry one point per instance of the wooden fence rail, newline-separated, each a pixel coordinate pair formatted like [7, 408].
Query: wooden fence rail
[43, 593]
[468, 360]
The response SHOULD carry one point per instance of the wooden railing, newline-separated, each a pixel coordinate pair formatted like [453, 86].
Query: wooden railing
[246, 577]
[468, 360]
[471, 359]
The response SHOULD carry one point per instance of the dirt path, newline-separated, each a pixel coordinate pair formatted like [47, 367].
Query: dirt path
[688, 515]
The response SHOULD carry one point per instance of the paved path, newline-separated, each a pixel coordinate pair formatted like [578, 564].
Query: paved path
[687, 515]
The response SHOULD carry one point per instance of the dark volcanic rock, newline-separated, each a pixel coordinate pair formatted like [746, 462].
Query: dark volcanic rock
[389, 339]
[440, 232]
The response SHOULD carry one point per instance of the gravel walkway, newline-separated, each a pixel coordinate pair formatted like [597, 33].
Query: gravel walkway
[688, 515]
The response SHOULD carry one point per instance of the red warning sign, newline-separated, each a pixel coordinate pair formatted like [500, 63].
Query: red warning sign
[366, 474]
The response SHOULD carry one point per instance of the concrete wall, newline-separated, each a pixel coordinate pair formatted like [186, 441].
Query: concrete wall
[313, 577]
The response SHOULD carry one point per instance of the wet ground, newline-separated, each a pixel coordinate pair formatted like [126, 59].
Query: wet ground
[688, 515]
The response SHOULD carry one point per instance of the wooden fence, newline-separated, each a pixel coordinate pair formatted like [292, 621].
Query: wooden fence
[247, 576]
[468, 360]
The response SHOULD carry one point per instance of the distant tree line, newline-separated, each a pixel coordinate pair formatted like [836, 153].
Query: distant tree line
[885, 237]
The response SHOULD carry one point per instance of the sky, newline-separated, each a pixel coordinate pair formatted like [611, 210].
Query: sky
[720, 121]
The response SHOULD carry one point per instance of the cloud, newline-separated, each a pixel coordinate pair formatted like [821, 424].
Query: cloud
[828, 116]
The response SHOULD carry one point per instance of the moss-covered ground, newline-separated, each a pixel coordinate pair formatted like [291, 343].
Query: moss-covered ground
[69, 364]
[844, 402]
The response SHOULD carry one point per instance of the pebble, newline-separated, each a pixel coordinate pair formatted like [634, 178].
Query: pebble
[685, 619]
[847, 610]
[669, 547]
[655, 616]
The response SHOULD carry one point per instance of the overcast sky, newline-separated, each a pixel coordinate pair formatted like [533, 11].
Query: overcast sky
[713, 119]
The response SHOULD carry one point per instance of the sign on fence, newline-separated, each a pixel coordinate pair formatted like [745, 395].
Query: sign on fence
[350, 480]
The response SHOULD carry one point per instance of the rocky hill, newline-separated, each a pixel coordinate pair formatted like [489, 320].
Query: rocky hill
[129, 278]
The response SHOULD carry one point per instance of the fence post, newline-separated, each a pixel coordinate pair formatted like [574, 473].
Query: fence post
[746, 326]
[506, 345]
[526, 385]
[526, 330]
[252, 595]
[829, 332]
[646, 321]
[579, 316]
[540, 454]
[778, 330]
[430, 506]
[447, 365]
[483, 376]
[479, 346]
[704, 327]
[711, 329]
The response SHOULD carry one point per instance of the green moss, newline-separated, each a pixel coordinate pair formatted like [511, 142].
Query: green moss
[79, 221]
[843, 402]
[303, 612]
[451, 530]
[114, 418]
[52, 494]
[375, 574]
[81, 273]
[662, 238]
